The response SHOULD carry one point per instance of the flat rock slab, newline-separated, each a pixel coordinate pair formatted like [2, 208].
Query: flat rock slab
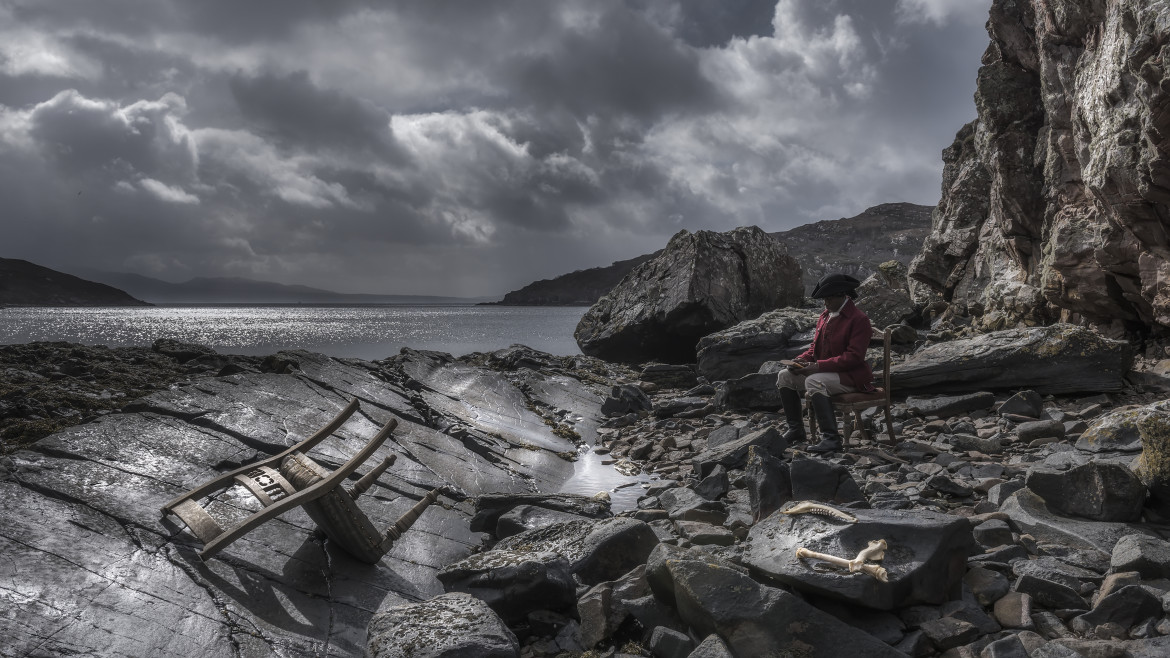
[97, 571]
[1029, 514]
[453, 624]
[926, 555]
[596, 550]
[1058, 359]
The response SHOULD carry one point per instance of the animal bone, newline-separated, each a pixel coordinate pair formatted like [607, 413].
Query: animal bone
[876, 551]
[810, 507]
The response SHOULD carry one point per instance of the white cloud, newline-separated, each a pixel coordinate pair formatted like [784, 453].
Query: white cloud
[940, 12]
[164, 192]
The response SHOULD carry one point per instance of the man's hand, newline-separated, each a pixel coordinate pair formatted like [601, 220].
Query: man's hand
[806, 369]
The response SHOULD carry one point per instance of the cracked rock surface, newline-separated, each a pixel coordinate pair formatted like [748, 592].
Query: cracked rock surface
[89, 566]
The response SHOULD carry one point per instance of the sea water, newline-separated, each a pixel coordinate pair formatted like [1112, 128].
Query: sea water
[361, 332]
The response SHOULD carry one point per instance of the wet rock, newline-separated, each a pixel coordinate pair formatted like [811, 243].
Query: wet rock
[926, 555]
[490, 507]
[453, 624]
[815, 479]
[704, 534]
[1049, 593]
[529, 517]
[702, 282]
[715, 485]
[945, 406]
[624, 399]
[768, 483]
[947, 632]
[1029, 514]
[1125, 607]
[741, 350]
[595, 550]
[733, 454]
[513, 583]
[1149, 556]
[756, 620]
[180, 351]
[1098, 490]
[1056, 359]
[685, 505]
[752, 391]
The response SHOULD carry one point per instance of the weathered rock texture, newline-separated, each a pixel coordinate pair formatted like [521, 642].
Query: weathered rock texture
[90, 568]
[1054, 200]
[701, 283]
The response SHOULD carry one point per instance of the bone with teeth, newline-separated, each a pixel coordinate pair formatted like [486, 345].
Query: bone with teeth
[875, 551]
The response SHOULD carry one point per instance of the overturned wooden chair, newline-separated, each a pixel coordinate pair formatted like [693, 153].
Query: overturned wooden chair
[882, 396]
[292, 479]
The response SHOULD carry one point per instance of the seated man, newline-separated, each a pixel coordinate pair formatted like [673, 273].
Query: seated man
[835, 363]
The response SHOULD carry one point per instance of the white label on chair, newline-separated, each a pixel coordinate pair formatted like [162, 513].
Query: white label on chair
[266, 484]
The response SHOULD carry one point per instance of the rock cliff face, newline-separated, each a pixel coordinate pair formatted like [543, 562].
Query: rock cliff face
[702, 282]
[1055, 199]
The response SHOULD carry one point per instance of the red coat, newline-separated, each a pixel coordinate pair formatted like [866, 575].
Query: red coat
[839, 346]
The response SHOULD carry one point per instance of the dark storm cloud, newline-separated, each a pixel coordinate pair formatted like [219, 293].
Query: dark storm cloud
[296, 111]
[620, 65]
[459, 147]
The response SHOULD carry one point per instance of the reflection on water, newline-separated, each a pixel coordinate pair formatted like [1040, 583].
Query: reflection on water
[363, 332]
[591, 476]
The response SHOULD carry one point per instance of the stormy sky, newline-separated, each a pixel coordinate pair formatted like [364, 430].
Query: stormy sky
[459, 147]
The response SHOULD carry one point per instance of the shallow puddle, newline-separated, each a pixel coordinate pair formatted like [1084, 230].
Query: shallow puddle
[590, 476]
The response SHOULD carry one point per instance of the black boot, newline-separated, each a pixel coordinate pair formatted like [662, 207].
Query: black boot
[822, 406]
[791, 401]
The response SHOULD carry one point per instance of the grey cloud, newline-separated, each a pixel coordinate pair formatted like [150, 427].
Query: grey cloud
[294, 110]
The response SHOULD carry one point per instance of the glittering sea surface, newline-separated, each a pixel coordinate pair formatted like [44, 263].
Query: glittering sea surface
[363, 332]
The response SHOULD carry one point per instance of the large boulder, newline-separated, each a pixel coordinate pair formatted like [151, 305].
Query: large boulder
[701, 283]
[742, 349]
[1153, 465]
[447, 626]
[595, 550]
[1098, 490]
[756, 620]
[1057, 359]
[513, 583]
[926, 555]
[1118, 431]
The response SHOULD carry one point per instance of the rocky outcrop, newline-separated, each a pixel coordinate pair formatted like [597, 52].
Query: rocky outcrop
[742, 349]
[1054, 201]
[81, 530]
[1061, 358]
[701, 283]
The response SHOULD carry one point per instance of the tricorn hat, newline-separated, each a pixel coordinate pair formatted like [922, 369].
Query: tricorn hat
[833, 285]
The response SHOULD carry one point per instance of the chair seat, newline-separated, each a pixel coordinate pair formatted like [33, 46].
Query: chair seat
[872, 398]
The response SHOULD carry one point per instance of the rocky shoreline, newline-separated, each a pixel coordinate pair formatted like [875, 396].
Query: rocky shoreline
[1014, 521]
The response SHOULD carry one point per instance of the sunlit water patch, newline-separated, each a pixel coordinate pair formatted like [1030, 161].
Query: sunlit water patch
[363, 332]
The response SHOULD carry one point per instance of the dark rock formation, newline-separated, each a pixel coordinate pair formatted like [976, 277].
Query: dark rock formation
[1054, 200]
[24, 284]
[887, 232]
[453, 624]
[1061, 358]
[702, 282]
[741, 350]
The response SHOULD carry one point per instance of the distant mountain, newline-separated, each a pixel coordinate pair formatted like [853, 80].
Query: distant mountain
[852, 245]
[580, 288]
[26, 284]
[235, 290]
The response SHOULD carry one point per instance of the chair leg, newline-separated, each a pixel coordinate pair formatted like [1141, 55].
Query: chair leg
[890, 425]
[812, 419]
[860, 425]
